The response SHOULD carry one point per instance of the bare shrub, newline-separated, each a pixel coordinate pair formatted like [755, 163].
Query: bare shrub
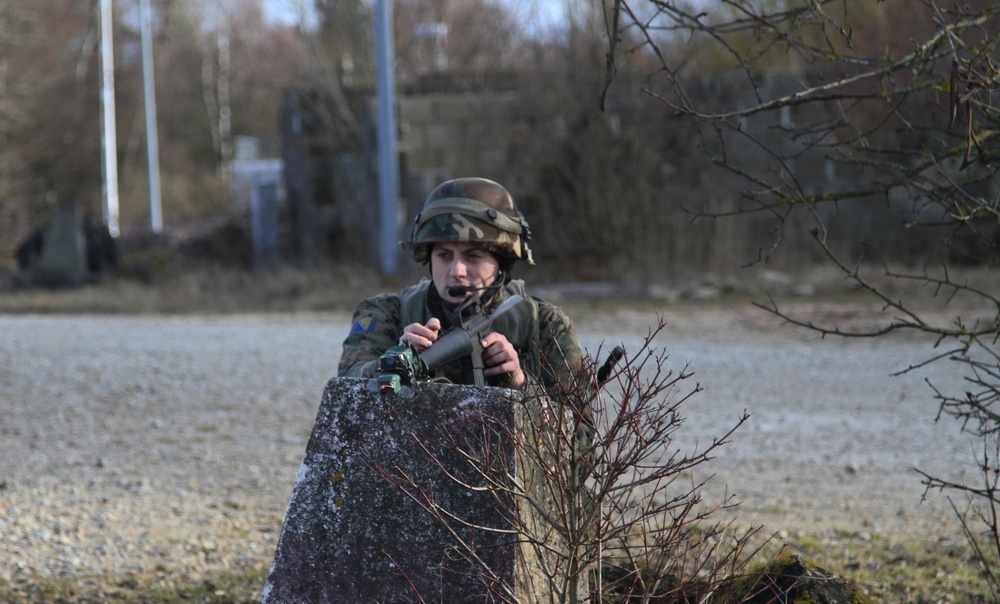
[603, 508]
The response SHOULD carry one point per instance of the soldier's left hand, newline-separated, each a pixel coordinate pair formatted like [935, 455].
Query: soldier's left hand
[501, 358]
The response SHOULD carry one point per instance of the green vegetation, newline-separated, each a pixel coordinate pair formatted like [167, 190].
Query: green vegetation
[889, 570]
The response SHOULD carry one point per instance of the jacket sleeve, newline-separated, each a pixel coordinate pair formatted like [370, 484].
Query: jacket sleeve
[375, 327]
[561, 352]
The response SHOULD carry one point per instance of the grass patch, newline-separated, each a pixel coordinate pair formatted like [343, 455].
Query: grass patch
[892, 570]
[139, 588]
[884, 570]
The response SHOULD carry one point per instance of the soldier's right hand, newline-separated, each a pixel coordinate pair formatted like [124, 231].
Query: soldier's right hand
[420, 337]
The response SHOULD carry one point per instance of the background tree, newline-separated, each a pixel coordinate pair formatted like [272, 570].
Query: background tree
[49, 94]
[833, 111]
[50, 105]
[596, 185]
[464, 37]
[12, 183]
[227, 69]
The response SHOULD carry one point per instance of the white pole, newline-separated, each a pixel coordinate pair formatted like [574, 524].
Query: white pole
[388, 163]
[109, 146]
[152, 138]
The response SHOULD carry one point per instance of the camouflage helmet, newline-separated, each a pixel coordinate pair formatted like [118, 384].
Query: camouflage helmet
[474, 210]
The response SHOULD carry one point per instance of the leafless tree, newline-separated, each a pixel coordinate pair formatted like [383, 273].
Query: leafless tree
[611, 516]
[50, 145]
[458, 37]
[825, 114]
[49, 105]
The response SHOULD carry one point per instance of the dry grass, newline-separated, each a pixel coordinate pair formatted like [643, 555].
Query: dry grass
[168, 288]
[204, 290]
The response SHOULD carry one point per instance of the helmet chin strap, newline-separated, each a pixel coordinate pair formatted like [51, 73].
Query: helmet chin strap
[505, 274]
[502, 279]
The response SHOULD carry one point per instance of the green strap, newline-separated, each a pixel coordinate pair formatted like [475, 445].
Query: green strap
[413, 304]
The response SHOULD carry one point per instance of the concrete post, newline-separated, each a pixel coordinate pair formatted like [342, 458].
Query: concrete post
[440, 493]
[352, 534]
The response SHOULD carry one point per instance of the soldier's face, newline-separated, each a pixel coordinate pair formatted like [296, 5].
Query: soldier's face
[461, 265]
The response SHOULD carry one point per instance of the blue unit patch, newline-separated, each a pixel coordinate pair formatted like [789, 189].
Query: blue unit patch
[366, 324]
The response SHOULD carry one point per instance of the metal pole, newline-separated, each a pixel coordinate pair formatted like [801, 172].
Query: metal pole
[109, 146]
[388, 162]
[152, 138]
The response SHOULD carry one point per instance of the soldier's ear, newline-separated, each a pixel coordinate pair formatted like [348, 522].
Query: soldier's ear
[506, 263]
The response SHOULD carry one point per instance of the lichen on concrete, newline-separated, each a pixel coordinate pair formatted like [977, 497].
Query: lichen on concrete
[352, 534]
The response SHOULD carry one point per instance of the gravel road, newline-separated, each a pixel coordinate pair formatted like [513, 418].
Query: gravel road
[172, 443]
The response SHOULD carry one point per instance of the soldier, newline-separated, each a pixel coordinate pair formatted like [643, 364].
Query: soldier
[471, 234]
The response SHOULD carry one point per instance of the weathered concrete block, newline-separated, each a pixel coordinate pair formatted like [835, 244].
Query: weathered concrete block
[456, 108]
[352, 534]
[417, 109]
[443, 136]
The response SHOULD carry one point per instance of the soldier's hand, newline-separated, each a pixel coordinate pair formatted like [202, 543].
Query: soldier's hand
[420, 336]
[501, 358]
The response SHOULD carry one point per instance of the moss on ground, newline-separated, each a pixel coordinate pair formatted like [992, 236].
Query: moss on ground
[892, 570]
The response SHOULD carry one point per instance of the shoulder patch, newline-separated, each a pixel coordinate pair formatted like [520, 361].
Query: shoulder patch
[365, 324]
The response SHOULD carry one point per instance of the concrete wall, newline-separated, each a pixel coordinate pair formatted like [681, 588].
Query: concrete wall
[463, 134]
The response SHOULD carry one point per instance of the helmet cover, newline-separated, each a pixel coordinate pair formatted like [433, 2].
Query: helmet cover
[471, 210]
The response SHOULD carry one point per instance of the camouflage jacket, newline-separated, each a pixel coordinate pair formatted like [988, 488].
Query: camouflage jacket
[550, 353]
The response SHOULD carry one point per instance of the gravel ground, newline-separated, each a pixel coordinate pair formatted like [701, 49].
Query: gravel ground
[172, 443]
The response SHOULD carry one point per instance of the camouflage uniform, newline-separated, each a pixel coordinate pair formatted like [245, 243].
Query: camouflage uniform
[479, 211]
[542, 334]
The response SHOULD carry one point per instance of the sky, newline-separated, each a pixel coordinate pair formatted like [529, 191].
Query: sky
[548, 11]
[284, 10]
